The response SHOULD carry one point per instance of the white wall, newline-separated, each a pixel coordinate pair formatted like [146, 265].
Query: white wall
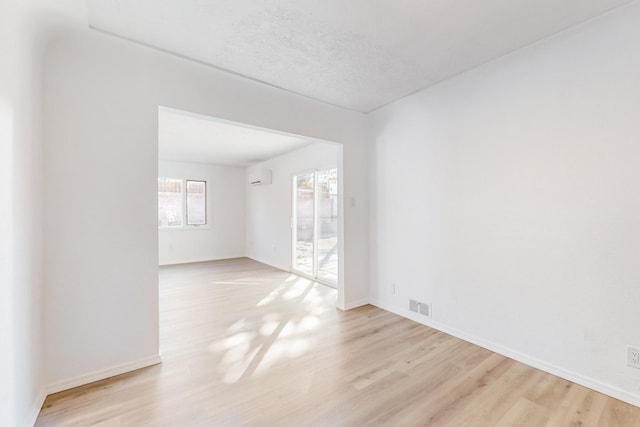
[269, 206]
[101, 107]
[25, 27]
[21, 220]
[224, 235]
[507, 197]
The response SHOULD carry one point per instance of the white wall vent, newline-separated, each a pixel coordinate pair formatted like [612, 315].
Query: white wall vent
[260, 177]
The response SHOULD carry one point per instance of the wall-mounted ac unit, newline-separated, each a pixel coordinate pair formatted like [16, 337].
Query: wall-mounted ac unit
[260, 177]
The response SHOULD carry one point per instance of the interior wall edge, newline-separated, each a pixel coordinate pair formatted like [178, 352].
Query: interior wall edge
[35, 408]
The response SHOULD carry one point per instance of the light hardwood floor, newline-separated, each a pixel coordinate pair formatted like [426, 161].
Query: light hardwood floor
[245, 344]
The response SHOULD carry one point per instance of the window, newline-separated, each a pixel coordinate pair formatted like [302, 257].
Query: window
[196, 203]
[169, 202]
[181, 202]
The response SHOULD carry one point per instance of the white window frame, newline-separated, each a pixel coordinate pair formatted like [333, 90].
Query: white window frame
[186, 203]
[185, 215]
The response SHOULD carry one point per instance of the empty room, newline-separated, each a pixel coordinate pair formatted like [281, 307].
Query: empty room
[297, 213]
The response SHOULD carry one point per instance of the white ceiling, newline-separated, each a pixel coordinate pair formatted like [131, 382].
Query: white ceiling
[191, 137]
[358, 54]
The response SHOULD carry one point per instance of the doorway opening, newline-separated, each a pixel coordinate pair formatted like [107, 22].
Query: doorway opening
[244, 216]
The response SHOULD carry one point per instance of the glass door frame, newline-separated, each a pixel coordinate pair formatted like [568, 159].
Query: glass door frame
[294, 228]
[294, 224]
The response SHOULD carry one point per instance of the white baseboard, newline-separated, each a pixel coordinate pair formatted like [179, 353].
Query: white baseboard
[356, 304]
[269, 263]
[585, 381]
[198, 260]
[102, 374]
[35, 408]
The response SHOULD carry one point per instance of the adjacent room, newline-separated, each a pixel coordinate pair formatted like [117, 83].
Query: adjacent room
[226, 190]
[266, 213]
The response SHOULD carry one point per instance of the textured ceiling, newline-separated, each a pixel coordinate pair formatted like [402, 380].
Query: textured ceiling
[357, 54]
[191, 137]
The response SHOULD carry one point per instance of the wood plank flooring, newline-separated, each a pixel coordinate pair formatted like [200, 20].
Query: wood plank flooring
[244, 344]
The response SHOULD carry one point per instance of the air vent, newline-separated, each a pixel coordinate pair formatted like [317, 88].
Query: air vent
[420, 307]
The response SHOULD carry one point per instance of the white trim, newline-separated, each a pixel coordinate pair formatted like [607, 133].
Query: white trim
[355, 304]
[326, 283]
[294, 227]
[615, 392]
[103, 373]
[294, 221]
[35, 408]
[314, 279]
[340, 302]
[186, 228]
[271, 264]
[207, 259]
[185, 212]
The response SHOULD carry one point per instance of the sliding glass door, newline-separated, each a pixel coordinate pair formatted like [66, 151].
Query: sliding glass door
[315, 225]
[327, 220]
[304, 223]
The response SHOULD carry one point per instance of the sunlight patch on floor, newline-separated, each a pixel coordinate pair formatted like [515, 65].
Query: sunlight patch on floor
[298, 289]
[273, 295]
[268, 328]
[238, 326]
[235, 340]
[250, 354]
[280, 350]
